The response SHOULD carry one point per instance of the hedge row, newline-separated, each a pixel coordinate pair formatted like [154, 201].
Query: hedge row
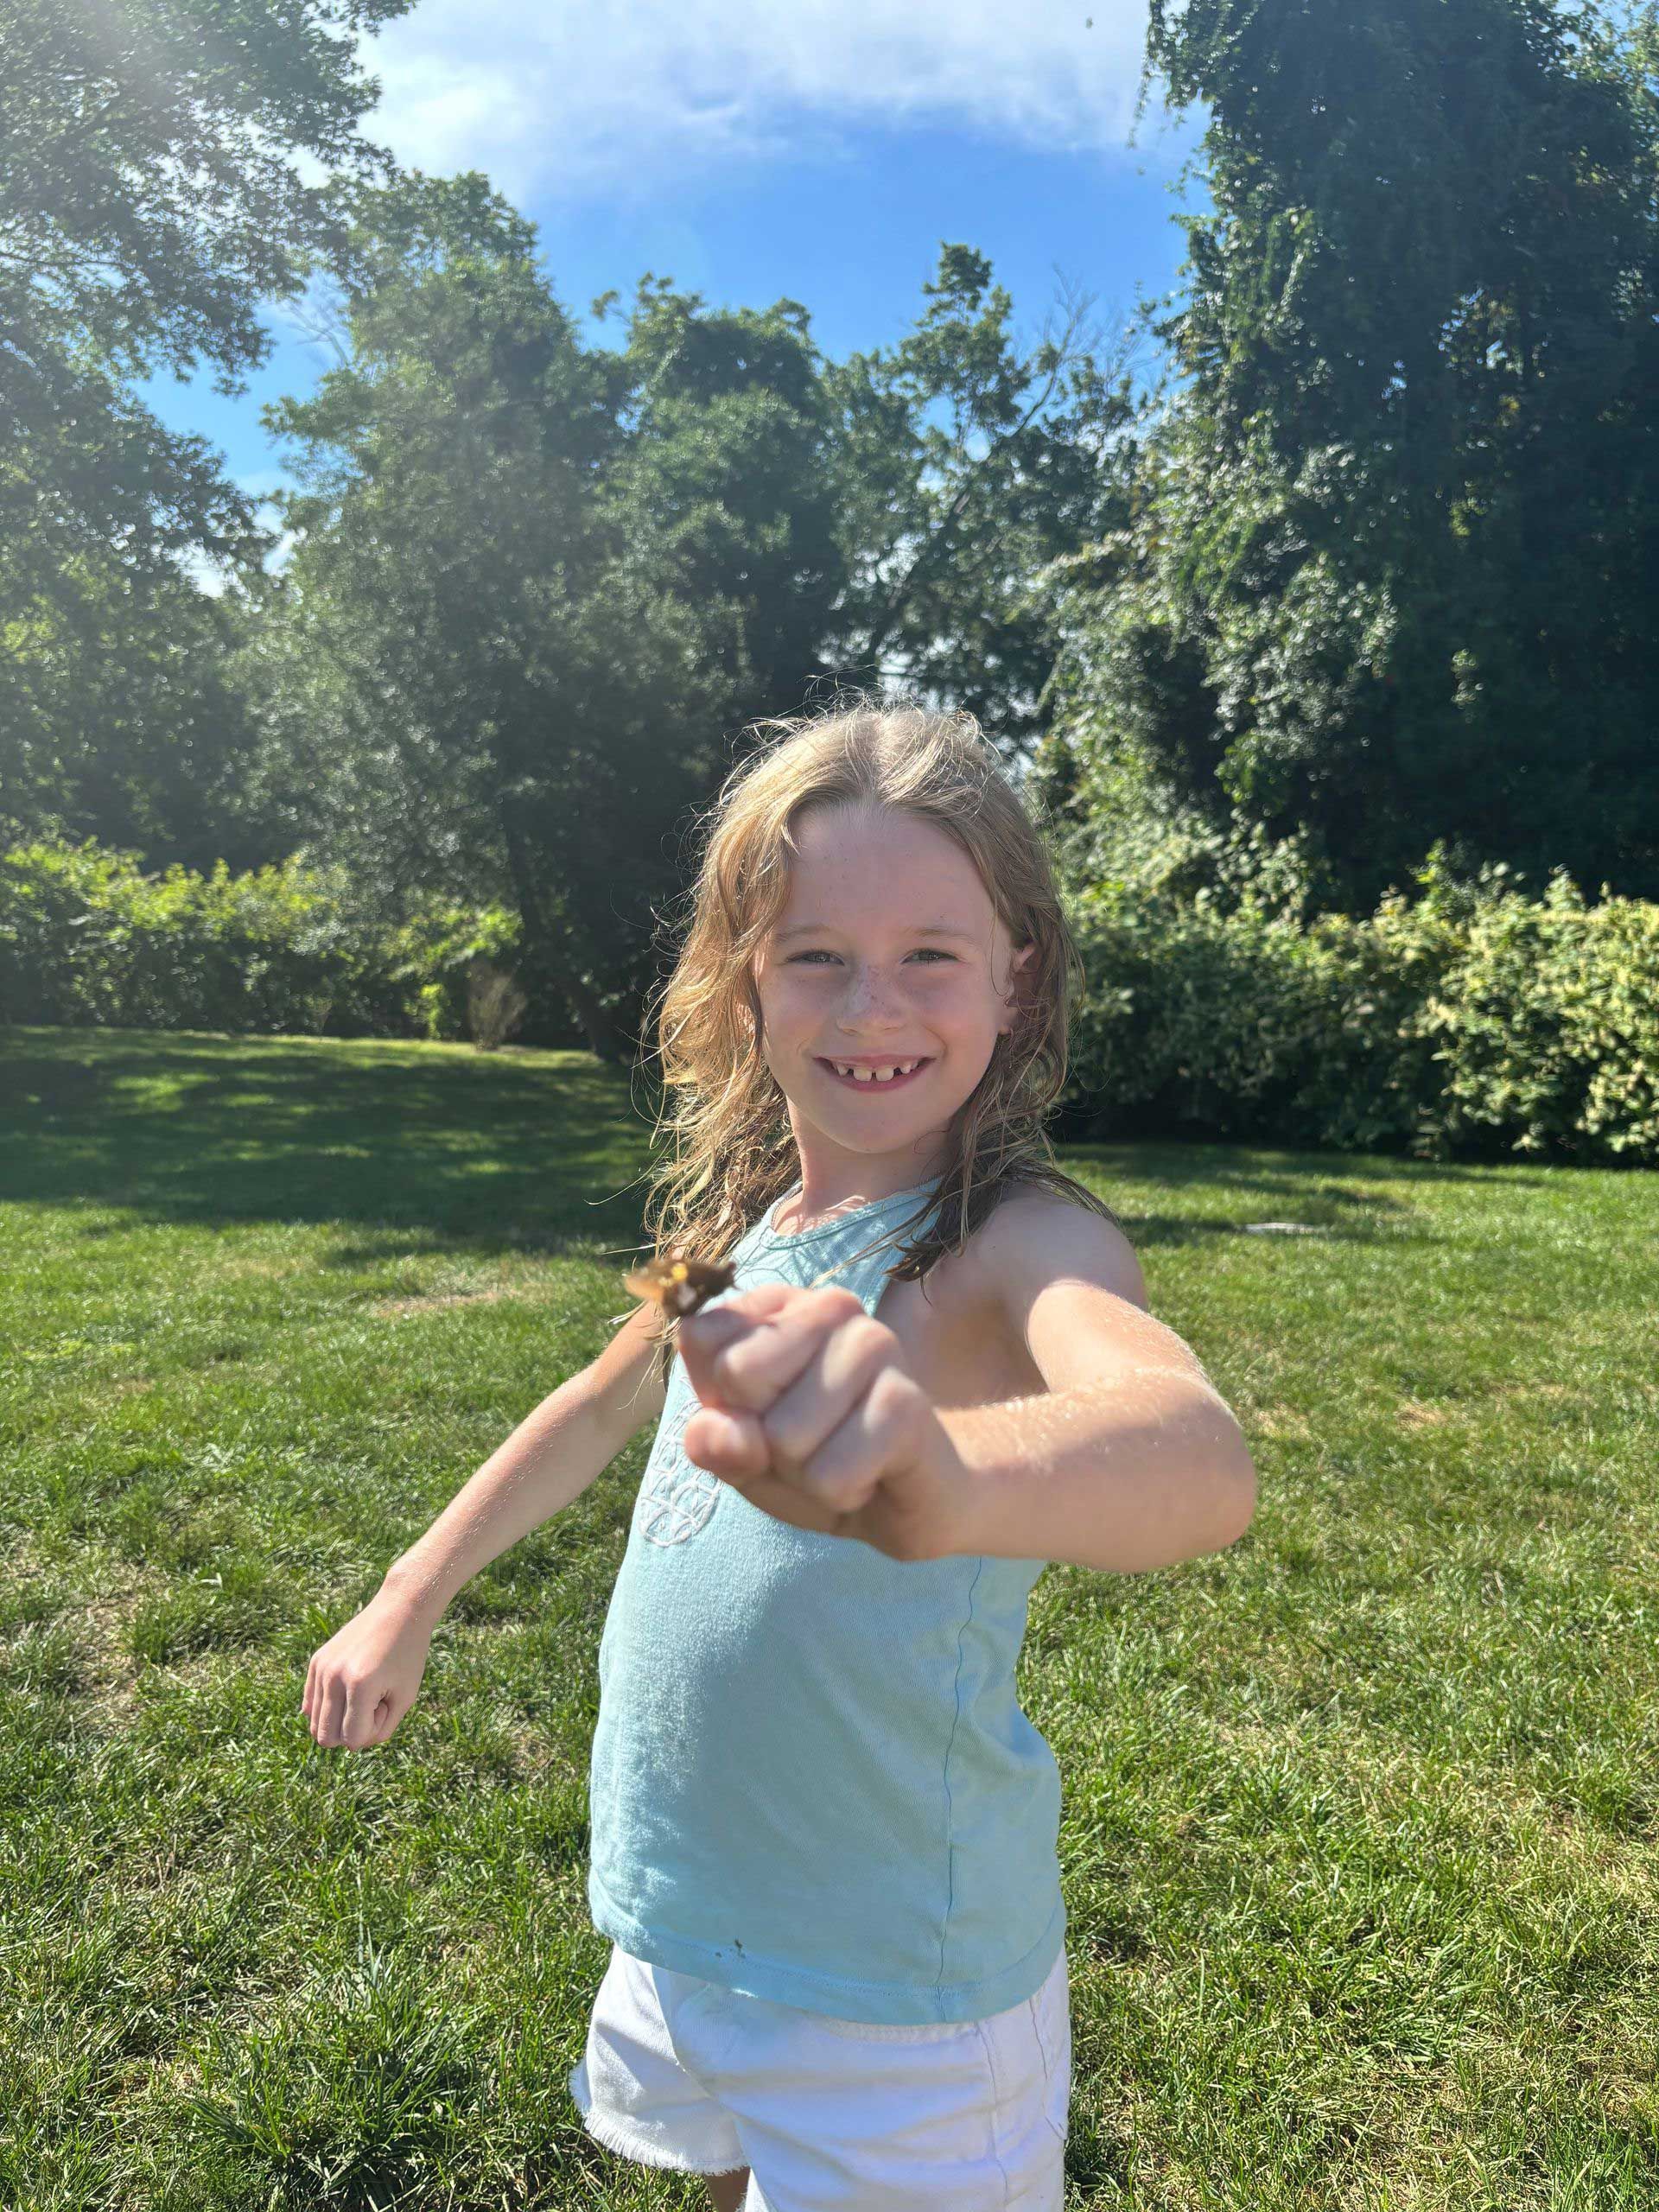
[87, 940]
[1468, 1018]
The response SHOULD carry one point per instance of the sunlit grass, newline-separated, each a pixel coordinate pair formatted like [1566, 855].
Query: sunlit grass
[1359, 1824]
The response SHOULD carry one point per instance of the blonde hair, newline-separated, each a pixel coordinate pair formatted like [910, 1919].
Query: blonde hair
[735, 1153]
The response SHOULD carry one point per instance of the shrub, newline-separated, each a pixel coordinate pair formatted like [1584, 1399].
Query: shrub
[439, 952]
[1469, 1018]
[88, 939]
[1547, 1025]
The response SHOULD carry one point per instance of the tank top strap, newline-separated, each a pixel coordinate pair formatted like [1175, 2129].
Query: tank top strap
[857, 1250]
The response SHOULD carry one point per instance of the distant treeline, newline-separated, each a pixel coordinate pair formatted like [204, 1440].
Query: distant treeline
[1368, 576]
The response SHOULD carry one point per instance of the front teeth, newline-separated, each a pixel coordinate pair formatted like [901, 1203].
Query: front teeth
[876, 1075]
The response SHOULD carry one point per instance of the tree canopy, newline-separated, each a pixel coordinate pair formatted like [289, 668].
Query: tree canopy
[1396, 540]
[539, 587]
[153, 197]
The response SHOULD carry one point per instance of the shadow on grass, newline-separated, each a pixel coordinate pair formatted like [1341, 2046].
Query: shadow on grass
[1349, 1193]
[546, 1149]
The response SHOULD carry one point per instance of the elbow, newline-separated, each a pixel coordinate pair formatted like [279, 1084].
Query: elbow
[1239, 1488]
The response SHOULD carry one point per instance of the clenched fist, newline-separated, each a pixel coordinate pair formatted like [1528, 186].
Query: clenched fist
[810, 1409]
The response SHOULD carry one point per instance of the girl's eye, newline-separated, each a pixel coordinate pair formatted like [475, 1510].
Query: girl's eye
[930, 951]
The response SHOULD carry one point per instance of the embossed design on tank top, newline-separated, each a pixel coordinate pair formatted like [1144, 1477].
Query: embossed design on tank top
[678, 1497]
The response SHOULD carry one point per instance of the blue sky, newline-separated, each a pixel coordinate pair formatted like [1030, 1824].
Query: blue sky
[819, 153]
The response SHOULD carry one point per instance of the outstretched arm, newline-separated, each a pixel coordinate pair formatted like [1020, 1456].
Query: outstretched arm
[1130, 1458]
[1123, 1476]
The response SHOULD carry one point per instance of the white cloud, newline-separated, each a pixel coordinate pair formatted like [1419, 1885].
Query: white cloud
[564, 101]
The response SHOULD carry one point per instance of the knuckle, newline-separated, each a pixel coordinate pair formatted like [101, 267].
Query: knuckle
[873, 1337]
[741, 1379]
[789, 1437]
[840, 1475]
[843, 1490]
[891, 1392]
[734, 1369]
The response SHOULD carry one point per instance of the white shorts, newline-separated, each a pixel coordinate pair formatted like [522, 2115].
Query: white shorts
[960, 2116]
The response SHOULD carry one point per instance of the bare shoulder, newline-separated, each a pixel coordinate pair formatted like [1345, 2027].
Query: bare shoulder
[1066, 1281]
[1035, 1234]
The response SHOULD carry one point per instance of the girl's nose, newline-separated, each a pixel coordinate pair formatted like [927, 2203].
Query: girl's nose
[869, 990]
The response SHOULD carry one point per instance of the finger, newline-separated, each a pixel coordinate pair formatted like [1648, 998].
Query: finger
[730, 1445]
[751, 1370]
[818, 1404]
[333, 1707]
[878, 1434]
[711, 1325]
[358, 1730]
[786, 1501]
[761, 1298]
[703, 1334]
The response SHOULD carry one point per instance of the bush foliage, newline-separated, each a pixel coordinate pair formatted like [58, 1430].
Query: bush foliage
[87, 939]
[1468, 1018]
[1471, 1019]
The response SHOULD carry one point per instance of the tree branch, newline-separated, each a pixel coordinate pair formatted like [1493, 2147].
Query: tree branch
[930, 548]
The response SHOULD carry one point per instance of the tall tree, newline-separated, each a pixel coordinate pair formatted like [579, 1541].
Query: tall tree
[535, 587]
[963, 466]
[470, 665]
[537, 592]
[152, 195]
[727, 472]
[1397, 542]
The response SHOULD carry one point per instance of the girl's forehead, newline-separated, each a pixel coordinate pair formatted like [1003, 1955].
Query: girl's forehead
[822, 830]
[902, 909]
[883, 861]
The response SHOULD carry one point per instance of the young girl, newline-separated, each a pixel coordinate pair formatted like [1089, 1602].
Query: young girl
[823, 1833]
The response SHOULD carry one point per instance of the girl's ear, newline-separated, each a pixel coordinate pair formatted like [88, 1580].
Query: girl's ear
[1015, 995]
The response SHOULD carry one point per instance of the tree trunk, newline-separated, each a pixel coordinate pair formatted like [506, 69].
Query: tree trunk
[544, 943]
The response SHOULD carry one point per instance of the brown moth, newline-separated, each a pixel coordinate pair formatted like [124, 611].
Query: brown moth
[681, 1286]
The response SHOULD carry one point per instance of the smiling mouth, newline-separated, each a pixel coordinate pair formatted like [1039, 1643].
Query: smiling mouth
[876, 1079]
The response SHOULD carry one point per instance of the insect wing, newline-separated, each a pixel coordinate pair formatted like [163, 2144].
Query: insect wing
[680, 1286]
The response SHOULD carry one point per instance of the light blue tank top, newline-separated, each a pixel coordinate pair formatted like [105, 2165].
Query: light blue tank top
[811, 1780]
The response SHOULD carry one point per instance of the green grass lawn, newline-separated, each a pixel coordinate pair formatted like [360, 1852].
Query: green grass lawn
[1359, 1823]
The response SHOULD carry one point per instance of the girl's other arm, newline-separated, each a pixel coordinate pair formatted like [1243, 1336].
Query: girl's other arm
[554, 1454]
[361, 1682]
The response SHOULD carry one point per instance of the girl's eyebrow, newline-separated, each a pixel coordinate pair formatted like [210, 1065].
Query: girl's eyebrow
[826, 929]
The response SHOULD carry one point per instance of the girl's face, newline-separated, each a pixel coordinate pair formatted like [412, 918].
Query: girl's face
[889, 952]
